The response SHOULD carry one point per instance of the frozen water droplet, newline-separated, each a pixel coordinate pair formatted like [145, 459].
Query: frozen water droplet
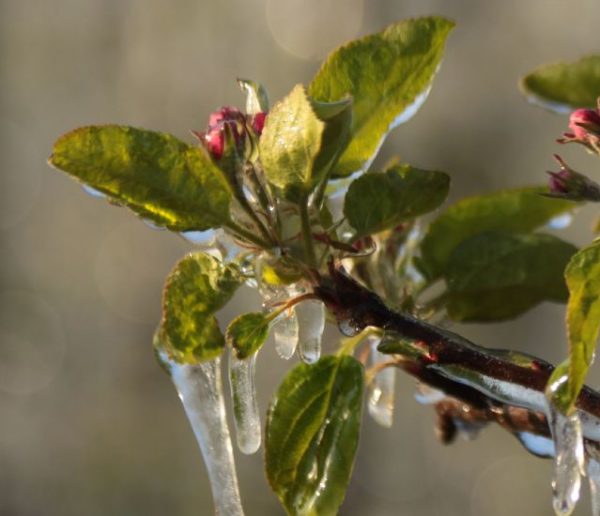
[569, 460]
[200, 390]
[245, 404]
[152, 225]
[426, 395]
[381, 389]
[285, 333]
[93, 192]
[200, 238]
[311, 323]
[537, 444]
[348, 328]
[560, 221]
[593, 473]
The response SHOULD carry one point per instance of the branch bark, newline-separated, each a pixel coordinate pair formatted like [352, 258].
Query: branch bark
[482, 385]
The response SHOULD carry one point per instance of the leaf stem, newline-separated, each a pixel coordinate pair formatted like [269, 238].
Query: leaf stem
[309, 248]
[247, 234]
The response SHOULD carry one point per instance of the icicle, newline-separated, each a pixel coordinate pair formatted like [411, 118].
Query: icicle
[427, 395]
[311, 323]
[200, 390]
[381, 388]
[593, 474]
[245, 405]
[569, 459]
[285, 333]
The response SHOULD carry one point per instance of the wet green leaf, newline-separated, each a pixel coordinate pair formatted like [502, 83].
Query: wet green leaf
[583, 315]
[387, 75]
[508, 211]
[247, 333]
[196, 288]
[565, 86]
[497, 276]
[376, 202]
[312, 434]
[159, 177]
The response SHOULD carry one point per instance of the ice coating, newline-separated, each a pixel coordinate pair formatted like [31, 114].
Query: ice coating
[568, 461]
[593, 474]
[96, 194]
[311, 323]
[245, 405]
[426, 395]
[200, 390]
[285, 334]
[537, 444]
[381, 389]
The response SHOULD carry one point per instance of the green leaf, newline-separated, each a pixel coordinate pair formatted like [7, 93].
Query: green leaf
[387, 75]
[565, 86]
[257, 100]
[290, 143]
[497, 276]
[508, 211]
[312, 434]
[159, 177]
[583, 314]
[196, 288]
[247, 333]
[376, 202]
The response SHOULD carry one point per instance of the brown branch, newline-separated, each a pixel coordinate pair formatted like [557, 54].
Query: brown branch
[434, 351]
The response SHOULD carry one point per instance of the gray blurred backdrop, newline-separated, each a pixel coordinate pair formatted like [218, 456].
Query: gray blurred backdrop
[89, 425]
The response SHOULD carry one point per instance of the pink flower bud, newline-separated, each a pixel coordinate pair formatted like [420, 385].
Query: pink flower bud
[585, 129]
[569, 184]
[584, 120]
[226, 118]
[258, 122]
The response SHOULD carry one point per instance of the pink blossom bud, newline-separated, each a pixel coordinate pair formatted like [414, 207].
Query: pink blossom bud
[226, 118]
[258, 122]
[569, 184]
[585, 129]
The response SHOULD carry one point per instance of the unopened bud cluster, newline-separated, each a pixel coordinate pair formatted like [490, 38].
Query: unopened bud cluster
[230, 131]
[585, 129]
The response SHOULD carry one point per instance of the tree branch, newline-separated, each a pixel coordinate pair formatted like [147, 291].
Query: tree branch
[499, 386]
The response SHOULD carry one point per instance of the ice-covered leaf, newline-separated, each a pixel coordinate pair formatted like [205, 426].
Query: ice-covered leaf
[388, 76]
[508, 211]
[376, 202]
[565, 86]
[583, 314]
[312, 434]
[496, 276]
[196, 288]
[247, 333]
[159, 177]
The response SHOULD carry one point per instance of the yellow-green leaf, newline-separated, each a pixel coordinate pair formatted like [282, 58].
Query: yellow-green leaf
[564, 86]
[388, 76]
[159, 177]
[196, 288]
[247, 333]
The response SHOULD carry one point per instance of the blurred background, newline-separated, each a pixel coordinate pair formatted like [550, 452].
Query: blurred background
[88, 423]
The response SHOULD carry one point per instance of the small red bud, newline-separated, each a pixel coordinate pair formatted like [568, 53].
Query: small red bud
[585, 129]
[258, 122]
[226, 117]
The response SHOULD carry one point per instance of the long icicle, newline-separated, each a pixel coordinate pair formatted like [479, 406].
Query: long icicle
[311, 323]
[568, 461]
[200, 390]
[381, 388]
[245, 405]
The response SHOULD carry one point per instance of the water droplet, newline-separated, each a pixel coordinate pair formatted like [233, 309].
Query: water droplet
[245, 404]
[200, 390]
[311, 323]
[93, 192]
[381, 389]
[569, 459]
[560, 221]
